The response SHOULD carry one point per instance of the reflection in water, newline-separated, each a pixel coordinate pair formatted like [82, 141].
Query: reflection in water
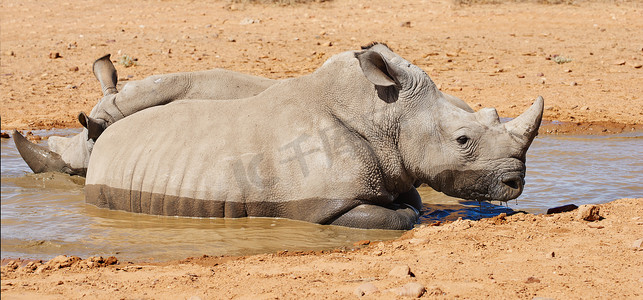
[45, 215]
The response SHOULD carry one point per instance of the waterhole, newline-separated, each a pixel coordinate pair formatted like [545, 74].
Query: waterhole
[44, 215]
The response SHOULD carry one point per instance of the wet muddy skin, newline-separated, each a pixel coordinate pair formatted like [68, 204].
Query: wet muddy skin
[45, 214]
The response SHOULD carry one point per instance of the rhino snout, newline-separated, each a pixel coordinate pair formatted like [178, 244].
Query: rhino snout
[512, 186]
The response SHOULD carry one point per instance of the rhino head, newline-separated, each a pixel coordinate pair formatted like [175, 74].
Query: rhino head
[464, 154]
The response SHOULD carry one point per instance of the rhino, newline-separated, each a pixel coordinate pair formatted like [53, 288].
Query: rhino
[343, 145]
[71, 154]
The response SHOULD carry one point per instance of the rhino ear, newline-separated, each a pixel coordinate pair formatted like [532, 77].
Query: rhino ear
[378, 70]
[94, 126]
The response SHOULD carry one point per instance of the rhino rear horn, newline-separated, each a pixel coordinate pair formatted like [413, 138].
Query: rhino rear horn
[39, 158]
[105, 72]
[95, 127]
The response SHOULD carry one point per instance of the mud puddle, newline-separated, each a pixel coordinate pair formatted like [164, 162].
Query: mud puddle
[44, 215]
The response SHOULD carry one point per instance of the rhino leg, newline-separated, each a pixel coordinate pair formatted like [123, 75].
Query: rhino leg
[402, 215]
[39, 158]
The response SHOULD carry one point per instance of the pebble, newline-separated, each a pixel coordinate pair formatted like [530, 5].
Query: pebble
[365, 289]
[596, 226]
[589, 212]
[637, 244]
[401, 271]
[532, 280]
[406, 24]
[54, 55]
[4, 135]
[248, 21]
[584, 108]
[619, 62]
[412, 289]
[361, 243]
[73, 69]
[573, 83]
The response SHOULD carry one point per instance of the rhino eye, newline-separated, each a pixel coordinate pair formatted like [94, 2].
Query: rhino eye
[462, 139]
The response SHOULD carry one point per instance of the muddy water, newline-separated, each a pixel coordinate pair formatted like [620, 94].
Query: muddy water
[45, 215]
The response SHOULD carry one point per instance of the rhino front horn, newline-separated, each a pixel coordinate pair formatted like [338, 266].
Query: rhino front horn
[106, 74]
[526, 125]
[38, 158]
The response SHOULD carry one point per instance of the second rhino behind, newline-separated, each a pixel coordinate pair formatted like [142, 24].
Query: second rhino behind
[71, 154]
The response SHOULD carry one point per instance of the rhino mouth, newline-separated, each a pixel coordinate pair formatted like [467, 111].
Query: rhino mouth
[501, 184]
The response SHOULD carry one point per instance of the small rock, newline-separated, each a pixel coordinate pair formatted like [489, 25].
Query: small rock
[30, 267]
[520, 76]
[406, 24]
[532, 280]
[540, 74]
[589, 213]
[637, 66]
[584, 108]
[561, 209]
[54, 55]
[365, 289]
[73, 69]
[12, 265]
[573, 83]
[549, 107]
[231, 40]
[401, 271]
[71, 87]
[4, 135]
[62, 261]
[637, 244]
[567, 71]
[248, 21]
[543, 80]
[619, 62]
[329, 44]
[412, 289]
[361, 243]
[9, 53]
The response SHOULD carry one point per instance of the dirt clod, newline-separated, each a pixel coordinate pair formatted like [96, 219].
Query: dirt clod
[365, 289]
[589, 213]
[412, 289]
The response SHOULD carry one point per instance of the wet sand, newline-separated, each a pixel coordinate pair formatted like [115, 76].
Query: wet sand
[499, 56]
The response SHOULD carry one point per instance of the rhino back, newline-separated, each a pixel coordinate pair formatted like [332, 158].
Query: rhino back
[230, 159]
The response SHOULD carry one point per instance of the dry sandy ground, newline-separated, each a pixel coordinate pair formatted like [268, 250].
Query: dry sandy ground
[489, 55]
[522, 256]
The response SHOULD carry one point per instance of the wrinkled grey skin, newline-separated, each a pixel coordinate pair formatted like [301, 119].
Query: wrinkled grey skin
[342, 146]
[71, 154]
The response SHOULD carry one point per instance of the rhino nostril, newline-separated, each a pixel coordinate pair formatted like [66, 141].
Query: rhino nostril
[514, 183]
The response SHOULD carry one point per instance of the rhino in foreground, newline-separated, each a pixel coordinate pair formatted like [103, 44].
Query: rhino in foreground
[71, 154]
[342, 146]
